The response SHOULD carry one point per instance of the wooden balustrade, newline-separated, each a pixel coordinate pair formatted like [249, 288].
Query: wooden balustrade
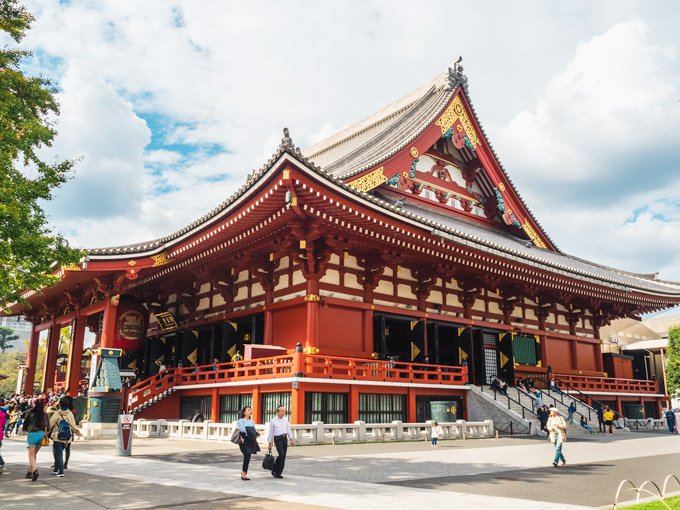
[313, 366]
[605, 384]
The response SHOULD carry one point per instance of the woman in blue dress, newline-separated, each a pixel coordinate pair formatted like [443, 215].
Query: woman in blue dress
[248, 444]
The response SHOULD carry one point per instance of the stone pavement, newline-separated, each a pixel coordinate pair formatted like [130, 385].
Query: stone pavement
[509, 473]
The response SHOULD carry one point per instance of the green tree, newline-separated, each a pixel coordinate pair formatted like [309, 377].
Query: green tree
[29, 250]
[7, 336]
[9, 366]
[673, 360]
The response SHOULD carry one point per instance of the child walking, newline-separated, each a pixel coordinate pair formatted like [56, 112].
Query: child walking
[436, 431]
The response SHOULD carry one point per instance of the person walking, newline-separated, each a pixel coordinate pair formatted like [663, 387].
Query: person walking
[670, 420]
[558, 434]
[600, 419]
[572, 409]
[543, 415]
[677, 420]
[61, 428]
[609, 420]
[279, 433]
[249, 435]
[3, 420]
[435, 433]
[34, 425]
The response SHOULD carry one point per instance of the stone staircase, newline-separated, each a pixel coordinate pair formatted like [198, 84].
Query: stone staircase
[152, 401]
[523, 404]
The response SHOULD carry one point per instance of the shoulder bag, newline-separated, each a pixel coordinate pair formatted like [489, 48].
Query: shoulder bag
[235, 436]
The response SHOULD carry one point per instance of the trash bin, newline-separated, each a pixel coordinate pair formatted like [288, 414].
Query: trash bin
[124, 439]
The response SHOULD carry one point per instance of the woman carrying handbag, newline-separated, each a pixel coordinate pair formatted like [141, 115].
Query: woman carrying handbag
[248, 444]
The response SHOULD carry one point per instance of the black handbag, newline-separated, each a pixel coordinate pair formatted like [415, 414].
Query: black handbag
[269, 461]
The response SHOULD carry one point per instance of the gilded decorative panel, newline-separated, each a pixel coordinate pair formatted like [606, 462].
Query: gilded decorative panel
[369, 181]
[456, 111]
[529, 230]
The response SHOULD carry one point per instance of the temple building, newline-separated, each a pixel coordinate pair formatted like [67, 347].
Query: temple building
[388, 266]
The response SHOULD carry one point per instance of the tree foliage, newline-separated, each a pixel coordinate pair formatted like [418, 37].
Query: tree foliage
[29, 250]
[673, 360]
[9, 363]
[7, 337]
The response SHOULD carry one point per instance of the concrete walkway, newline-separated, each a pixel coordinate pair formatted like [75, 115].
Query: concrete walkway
[397, 475]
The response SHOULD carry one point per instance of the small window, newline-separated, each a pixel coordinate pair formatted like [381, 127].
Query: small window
[271, 401]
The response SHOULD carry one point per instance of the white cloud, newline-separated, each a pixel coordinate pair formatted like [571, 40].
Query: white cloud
[598, 156]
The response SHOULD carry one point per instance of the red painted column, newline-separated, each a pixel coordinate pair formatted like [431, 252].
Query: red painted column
[353, 404]
[544, 350]
[31, 361]
[297, 404]
[51, 353]
[215, 406]
[411, 406]
[368, 331]
[109, 326]
[256, 404]
[75, 356]
[268, 327]
[598, 358]
[574, 355]
[312, 308]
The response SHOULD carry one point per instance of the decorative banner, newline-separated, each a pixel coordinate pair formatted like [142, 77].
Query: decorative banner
[414, 351]
[166, 320]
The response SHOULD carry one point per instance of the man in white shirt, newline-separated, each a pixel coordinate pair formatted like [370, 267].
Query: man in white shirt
[279, 432]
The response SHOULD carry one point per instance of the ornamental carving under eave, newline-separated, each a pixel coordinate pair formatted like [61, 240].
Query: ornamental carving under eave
[369, 181]
[529, 230]
[161, 259]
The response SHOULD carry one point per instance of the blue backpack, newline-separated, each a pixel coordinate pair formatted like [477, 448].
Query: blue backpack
[64, 431]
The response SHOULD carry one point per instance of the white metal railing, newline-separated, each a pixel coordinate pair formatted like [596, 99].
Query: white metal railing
[317, 432]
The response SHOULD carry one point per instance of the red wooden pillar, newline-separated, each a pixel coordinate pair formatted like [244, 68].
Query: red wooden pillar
[268, 327]
[544, 350]
[297, 404]
[368, 331]
[255, 405]
[109, 325]
[598, 358]
[31, 361]
[574, 354]
[353, 404]
[75, 356]
[215, 406]
[312, 329]
[619, 407]
[659, 410]
[411, 405]
[51, 353]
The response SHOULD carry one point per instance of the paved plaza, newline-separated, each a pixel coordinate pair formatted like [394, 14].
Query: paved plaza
[509, 473]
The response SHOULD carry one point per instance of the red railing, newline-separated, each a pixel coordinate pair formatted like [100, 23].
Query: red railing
[605, 384]
[331, 367]
[312, 366]
[250, 370]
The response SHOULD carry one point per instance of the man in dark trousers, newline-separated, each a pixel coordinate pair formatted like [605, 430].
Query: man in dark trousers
[279, 433]
[600, 419]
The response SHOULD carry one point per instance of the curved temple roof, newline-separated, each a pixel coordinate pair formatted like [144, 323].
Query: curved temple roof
[378, 137]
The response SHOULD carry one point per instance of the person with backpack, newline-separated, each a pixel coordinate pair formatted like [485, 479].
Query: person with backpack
[61, 428]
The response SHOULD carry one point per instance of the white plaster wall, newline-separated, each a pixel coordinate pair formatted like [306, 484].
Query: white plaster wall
[385, 287]
[436, 297]
[351, 262]
[283, 282]
[351, 282]
[204, 288]
[285, 263]
[335, 259]
[452, 300]
[218, 300]
[405, 291]
[257, 290]
[241, 294]
[203, 304]
[332, 277]
[388, 273]
[494, 308]
[242, 276]
[298, 277]
[405, 274]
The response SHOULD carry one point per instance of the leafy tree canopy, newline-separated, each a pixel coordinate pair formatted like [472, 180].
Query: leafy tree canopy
[29, 250]
[673, 361]
[7, 337]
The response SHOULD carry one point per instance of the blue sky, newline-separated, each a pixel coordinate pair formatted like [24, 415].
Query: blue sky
[170, 104]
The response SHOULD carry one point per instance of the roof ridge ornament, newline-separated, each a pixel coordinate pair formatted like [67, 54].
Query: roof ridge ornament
[457, 77]
[287, 141]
